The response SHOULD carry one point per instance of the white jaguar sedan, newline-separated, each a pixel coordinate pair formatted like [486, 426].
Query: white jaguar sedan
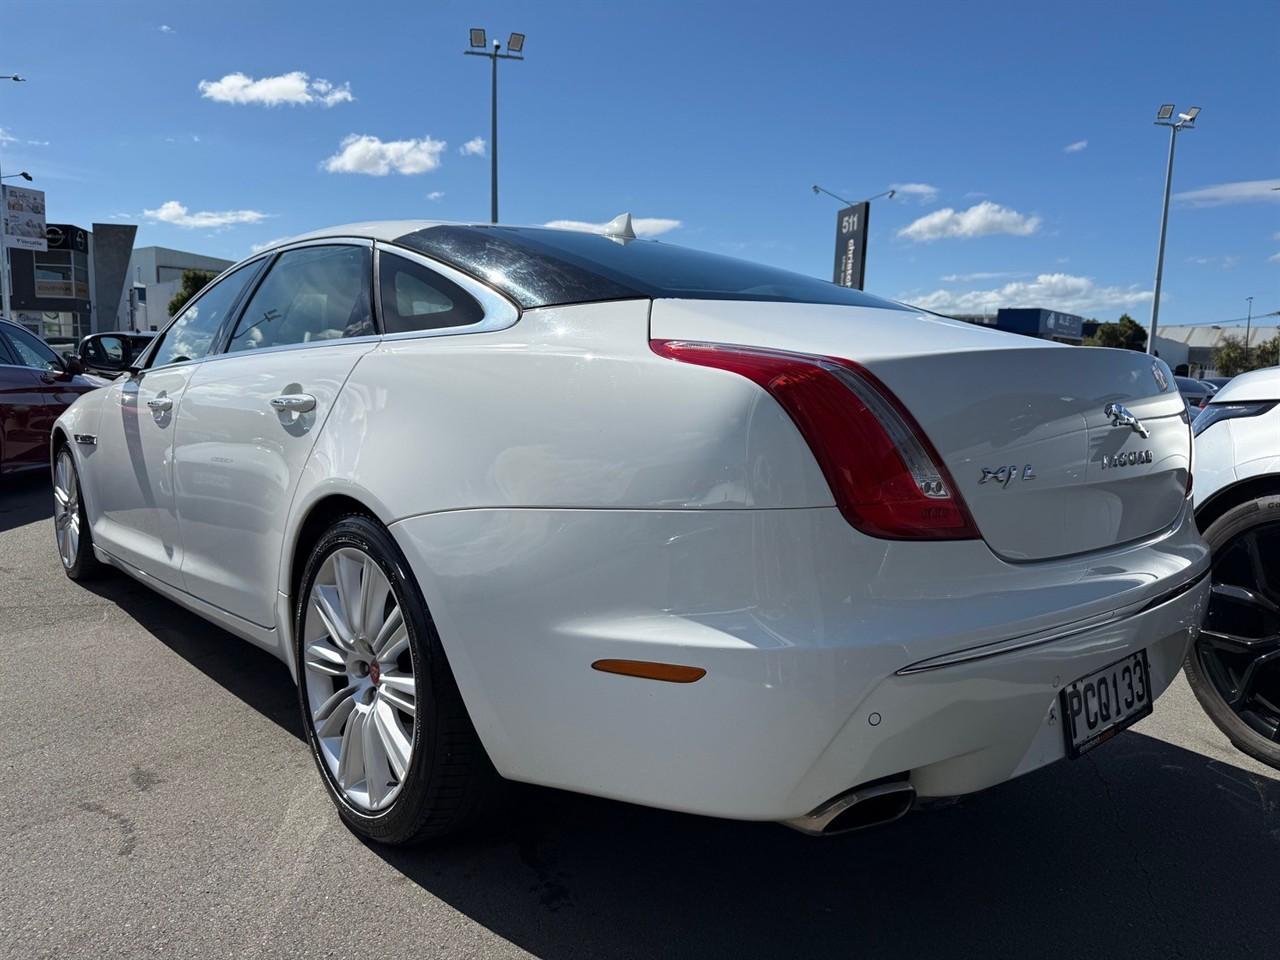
[643, 522]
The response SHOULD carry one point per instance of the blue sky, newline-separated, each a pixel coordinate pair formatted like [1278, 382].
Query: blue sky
[1024, 128]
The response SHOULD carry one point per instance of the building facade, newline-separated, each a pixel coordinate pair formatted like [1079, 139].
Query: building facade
[93, 280]
[154, 276]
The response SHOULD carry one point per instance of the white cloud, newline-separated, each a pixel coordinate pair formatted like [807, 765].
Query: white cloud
[165, 28]
[7, 137]
[1226, 261]
[1075, 147]
[377, 158]
[1274, 258]
[979, 220]
[1055, 291]
[924, 192]
[1240, 191]
[435, 195]
[171, 211]
[981, 275]
[293, 88]
[643, 226]
[473, 147]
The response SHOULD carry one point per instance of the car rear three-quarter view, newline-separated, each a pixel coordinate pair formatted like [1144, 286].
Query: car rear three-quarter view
[648, 523]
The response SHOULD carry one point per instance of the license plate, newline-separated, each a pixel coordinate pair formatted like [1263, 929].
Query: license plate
[1097, 707]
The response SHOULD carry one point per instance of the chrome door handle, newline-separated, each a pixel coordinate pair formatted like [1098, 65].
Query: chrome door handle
[160, 404]
[294, 403]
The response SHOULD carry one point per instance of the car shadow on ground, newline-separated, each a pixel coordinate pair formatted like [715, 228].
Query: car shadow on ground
[25, 497]
[1140, 849]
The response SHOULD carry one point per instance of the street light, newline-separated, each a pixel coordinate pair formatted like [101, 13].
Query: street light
[1248, 328]
[480, 48]
[1185, 121]
[24, 175]
[4, 254]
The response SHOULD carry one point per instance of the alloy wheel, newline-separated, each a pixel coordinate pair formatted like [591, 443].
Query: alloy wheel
[66, 509]
[1239, 646]
[360, 682]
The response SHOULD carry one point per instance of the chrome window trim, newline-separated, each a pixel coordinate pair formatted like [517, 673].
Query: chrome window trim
[499, 312]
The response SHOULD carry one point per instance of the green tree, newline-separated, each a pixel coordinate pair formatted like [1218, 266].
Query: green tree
[193, 281]
[1229, 358]
[1126, 333]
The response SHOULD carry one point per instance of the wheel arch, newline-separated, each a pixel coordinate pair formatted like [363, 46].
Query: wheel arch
[1242, 491]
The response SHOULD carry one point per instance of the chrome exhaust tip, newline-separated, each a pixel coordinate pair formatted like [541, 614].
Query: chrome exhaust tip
[869, 805]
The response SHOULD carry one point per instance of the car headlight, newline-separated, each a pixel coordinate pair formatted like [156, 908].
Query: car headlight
[1214, 412]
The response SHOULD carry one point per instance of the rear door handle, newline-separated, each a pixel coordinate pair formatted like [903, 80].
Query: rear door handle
[160, 404]
[294, 403]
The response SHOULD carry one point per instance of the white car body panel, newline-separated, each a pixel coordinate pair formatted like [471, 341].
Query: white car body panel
[135, 517]
[237, 463]
[1243, 448]
[563, 494]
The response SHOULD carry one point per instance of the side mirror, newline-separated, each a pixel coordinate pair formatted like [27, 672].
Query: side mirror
[72, 365]
[108, 352]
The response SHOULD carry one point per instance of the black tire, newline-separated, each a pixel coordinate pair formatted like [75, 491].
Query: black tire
[450, 782]
[1246, 544]
[85, 565]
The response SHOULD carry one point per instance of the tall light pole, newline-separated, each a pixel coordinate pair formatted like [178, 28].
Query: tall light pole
[1248, 328]
[4, 253]
[1185, 121]
[480, 48]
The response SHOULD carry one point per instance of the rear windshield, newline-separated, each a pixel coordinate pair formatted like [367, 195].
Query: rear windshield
[539, 268]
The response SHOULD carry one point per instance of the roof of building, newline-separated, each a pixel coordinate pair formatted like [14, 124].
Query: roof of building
[1212, 335]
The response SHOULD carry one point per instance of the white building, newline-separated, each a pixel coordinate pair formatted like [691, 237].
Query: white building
[154, 276]
[1195, 345]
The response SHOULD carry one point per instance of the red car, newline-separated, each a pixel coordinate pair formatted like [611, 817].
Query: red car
[36, 385]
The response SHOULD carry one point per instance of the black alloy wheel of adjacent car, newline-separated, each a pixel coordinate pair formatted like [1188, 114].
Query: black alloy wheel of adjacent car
[1234, 666]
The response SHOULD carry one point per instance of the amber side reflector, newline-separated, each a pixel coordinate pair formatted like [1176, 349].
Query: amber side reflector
[670, 672]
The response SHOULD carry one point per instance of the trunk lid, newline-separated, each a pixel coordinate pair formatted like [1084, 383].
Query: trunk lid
[1021, 424]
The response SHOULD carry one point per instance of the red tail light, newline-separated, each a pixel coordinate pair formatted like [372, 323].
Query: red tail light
[886, 478]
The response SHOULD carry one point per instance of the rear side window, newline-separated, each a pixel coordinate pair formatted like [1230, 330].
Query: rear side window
[191, 335]
[308, 295]
[538, 267]
[416, 298]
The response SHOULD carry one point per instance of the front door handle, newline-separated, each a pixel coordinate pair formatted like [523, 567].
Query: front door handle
[160, 404]
[294, 403]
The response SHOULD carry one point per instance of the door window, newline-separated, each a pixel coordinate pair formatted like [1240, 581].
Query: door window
[31, 351]
[310, 294]
[191, 335]
[416, 298]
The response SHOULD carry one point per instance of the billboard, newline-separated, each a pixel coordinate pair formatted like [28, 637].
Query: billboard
[24, 224]
[851, 245]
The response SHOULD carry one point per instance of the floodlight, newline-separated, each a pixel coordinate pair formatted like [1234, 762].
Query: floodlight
[1191, 114]
[478, 38]
[1164, 113]
[515, 43]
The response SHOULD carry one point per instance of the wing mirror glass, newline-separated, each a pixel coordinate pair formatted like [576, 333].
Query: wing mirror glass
[107, 352]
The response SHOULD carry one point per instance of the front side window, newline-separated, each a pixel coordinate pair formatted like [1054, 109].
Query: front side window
[191, 336]
[310, 294]
[31, 351]
[416, 298]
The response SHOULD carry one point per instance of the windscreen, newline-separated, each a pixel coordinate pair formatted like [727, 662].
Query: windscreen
[539, 267]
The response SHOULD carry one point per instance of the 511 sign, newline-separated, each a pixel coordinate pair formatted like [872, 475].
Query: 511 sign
[851, 245]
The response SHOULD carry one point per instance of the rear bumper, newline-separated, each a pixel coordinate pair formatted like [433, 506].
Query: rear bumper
[826, 652]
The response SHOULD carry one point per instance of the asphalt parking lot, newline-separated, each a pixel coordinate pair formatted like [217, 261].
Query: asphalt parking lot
[157, 800]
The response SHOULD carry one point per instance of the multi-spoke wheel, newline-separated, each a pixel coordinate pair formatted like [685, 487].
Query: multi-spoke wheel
[70, 524]
[1234, 668]
[385, 721]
